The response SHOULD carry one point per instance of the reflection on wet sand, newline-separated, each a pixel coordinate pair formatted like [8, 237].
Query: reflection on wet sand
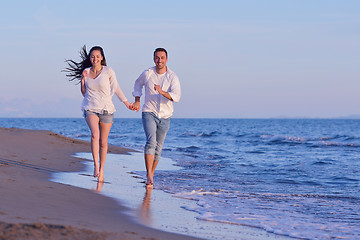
[99, 186]
[145, 211]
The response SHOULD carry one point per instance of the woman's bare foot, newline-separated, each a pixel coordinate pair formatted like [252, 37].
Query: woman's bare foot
[101, 177]
[96, 171]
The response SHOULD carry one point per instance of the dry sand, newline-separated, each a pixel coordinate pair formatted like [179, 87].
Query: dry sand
[31, 207]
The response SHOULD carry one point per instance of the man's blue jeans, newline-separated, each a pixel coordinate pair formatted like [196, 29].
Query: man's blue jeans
[155, 130]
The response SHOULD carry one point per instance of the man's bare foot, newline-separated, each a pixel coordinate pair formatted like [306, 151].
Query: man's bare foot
[149, 182]
[149, 185]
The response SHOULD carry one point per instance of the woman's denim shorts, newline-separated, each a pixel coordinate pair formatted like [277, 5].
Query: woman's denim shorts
[103, 118]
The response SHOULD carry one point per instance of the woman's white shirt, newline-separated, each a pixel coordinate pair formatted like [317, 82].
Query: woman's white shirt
[100, 90]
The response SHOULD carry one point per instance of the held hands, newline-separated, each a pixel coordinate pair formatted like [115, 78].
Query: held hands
[135, 106]
[131, 106]
[128, 105]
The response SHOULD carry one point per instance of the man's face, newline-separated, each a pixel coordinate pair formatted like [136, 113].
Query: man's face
[160, 60]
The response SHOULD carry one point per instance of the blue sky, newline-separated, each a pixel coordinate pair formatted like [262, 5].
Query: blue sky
[235, 59]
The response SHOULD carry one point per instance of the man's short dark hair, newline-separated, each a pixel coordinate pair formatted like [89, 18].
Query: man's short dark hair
[160, 50]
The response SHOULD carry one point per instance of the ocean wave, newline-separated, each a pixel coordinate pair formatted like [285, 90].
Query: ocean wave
[82, 135]
[344, 179]
[279, 138]
[256, 152]
[341, 137]
[191, 149]
[321, 162]
[200, 135]
[335, 144]
[342, 141]
[200, 192]
[284, 214]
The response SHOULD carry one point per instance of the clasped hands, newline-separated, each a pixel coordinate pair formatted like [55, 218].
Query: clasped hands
[135, 106]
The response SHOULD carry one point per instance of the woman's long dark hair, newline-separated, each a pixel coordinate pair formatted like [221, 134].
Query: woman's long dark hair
[75, 69]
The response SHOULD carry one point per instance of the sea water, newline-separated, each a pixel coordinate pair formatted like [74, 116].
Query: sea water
[292, 177]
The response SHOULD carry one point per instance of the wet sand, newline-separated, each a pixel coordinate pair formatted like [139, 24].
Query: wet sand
[32, 207]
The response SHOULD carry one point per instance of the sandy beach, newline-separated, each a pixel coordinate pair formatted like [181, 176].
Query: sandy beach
[32, 207]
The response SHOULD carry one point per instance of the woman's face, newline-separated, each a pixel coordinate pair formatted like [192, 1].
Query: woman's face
[96, 57]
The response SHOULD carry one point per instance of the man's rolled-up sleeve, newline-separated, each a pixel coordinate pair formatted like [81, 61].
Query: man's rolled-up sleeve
[175, 89]
[139, 83]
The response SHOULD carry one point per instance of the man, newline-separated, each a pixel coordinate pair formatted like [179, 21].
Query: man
[162, 88]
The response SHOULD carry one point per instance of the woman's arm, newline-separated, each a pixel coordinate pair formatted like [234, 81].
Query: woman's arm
[83, 87]
[115, 88]
[119, 93]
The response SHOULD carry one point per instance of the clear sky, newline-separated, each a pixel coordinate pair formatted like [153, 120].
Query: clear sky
[234, 59]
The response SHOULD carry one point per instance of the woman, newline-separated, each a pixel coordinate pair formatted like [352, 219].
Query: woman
[98, 85]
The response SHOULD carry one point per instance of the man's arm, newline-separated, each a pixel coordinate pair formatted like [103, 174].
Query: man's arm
[136, 104]
[139, 83]
[165, 94]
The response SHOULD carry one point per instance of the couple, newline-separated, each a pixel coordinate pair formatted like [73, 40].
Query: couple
[99, 84]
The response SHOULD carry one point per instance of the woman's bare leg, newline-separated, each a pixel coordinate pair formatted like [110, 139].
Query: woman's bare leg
[93, 123]
[104, 134]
